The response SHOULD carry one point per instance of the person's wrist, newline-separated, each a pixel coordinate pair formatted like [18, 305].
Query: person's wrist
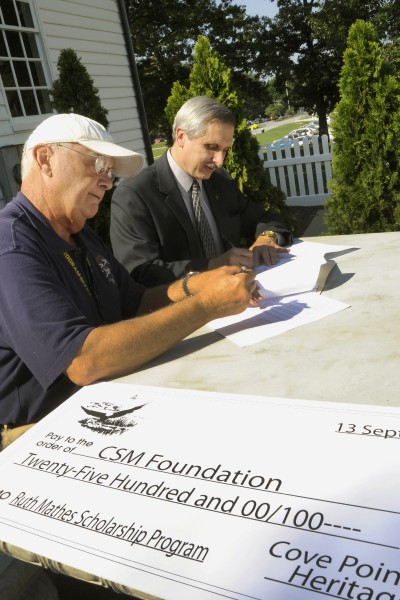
[185, 281]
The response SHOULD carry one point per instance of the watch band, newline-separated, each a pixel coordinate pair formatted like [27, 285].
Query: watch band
[185, 280]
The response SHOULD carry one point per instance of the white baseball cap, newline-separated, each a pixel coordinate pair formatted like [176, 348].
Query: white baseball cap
[77, 129]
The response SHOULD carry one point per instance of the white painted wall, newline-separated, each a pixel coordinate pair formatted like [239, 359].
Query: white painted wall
[93, 29]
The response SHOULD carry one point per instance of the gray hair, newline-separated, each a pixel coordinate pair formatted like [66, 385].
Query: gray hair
[27, 161]
[196, 113]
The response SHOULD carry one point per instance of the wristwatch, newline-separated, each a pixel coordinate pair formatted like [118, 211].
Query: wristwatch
[271, 234]
[185, 280]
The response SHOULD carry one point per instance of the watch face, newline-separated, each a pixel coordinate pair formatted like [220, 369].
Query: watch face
[270, 234]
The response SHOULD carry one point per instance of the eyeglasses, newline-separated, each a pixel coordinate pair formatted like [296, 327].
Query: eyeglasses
[100, 164]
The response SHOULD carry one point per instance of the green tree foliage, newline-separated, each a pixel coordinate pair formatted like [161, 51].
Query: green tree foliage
[366, 127]
[74, 91]
[164, 34]
[211, 77]
[179, 95]
[388, 19]
[279, 105]
[391, 57]
[304, 48]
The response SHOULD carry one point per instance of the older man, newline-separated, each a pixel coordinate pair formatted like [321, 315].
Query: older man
[70, 314]
[184, 213]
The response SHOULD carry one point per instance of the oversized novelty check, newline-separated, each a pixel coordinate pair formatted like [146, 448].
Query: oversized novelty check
[180, 494]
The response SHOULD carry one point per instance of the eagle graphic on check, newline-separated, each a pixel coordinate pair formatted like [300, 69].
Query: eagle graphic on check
[107, 418]
[103, 415]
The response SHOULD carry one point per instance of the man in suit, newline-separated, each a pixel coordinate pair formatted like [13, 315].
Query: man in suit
[155, 233]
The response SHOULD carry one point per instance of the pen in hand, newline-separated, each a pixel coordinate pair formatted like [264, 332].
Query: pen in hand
[255, 295]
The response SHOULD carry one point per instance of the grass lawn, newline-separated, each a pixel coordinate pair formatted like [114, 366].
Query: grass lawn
[279, 131]
[159, 149]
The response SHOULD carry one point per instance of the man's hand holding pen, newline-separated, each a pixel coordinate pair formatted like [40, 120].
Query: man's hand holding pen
[255, 295]
[225, 291]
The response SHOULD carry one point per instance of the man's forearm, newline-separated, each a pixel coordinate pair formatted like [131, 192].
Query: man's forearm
[118, 349]
[160, 296]
[115, 350]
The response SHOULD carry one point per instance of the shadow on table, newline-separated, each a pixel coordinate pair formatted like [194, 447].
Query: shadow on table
[336, 278]
[184, 348]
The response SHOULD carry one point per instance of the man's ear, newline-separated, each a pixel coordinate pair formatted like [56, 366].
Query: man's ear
[42, 156]
[180, 137]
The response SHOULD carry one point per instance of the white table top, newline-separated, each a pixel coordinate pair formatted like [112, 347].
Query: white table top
[350, 356]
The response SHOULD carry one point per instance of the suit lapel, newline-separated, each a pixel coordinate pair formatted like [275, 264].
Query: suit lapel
[175, 203]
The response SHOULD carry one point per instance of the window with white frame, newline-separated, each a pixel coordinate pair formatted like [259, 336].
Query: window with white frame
[21, 69]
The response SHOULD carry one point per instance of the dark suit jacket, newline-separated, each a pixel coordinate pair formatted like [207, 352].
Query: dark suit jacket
[152, 233]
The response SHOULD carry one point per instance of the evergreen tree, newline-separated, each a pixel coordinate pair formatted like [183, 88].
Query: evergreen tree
[179, 95]
[74, 91]
[211, 77]
[366, 127]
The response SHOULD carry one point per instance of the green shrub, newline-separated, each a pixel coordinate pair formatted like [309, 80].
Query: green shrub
[366, 122]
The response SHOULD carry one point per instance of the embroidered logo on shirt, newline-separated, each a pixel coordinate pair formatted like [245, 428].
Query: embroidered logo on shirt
[105, 269]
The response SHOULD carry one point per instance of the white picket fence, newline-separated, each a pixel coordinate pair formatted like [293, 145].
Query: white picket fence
[301, 169]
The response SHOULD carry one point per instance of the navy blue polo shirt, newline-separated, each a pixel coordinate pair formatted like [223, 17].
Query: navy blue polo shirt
[51, 296]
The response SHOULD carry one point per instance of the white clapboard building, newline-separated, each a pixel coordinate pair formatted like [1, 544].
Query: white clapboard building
[32, 34]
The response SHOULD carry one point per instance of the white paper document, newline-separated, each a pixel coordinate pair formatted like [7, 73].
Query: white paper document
[296, 271]
[181, 494]
[275, 316]
[288, 289]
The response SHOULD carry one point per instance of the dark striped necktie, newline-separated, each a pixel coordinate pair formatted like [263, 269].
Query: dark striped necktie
[203, 226]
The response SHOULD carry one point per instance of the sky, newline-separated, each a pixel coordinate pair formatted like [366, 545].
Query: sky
[262, 8]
